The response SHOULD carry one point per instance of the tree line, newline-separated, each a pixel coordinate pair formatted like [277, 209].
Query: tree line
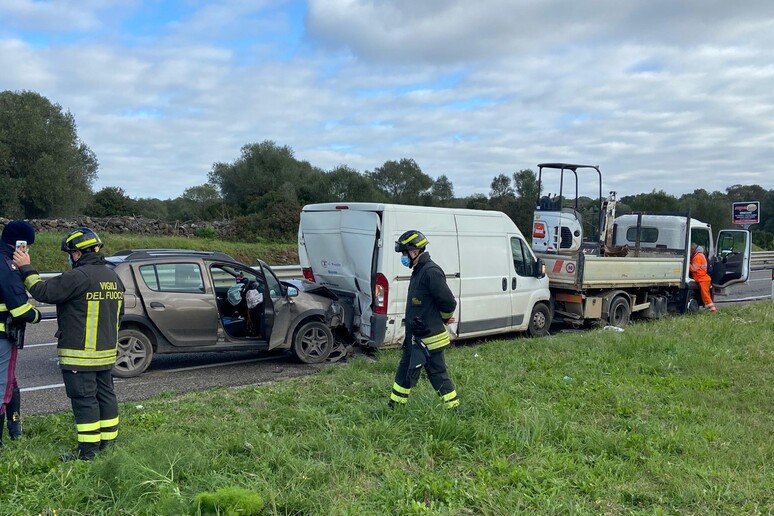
[47, 171]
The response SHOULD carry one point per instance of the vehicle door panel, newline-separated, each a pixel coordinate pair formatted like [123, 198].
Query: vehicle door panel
[179, 302]
[523, 282]
[278, 309]
[732, 263]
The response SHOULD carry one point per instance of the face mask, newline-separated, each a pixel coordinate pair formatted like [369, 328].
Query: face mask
[70, 260]
[406, 261]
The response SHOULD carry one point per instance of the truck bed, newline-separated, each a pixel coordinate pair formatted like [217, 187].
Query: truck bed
[586, 272]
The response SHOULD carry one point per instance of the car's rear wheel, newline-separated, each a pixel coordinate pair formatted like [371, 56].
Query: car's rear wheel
[135, 353]
[313, 342]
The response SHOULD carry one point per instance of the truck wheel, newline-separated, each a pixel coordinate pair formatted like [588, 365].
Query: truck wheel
[692, 303]
[618, 312]
[313, 342]
[135, 353]
[540, 320]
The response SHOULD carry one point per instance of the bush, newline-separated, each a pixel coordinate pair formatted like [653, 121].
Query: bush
[207, 232]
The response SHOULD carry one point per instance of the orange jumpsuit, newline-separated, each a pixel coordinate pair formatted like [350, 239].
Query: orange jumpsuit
[700, 276]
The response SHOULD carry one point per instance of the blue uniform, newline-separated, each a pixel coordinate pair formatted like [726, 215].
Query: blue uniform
[15, 306]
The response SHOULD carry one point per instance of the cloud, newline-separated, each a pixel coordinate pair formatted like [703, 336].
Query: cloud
[661, 95]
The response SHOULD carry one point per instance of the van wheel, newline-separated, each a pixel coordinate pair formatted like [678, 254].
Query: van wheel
[618, 312]
[135, 353]
[313, 342]
[540, 320]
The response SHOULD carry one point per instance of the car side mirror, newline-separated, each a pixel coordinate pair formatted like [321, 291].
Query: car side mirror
[292, 291]
[540, 268]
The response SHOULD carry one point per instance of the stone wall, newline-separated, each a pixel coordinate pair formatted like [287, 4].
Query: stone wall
[133, 225]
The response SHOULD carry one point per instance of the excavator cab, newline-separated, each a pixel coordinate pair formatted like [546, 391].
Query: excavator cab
[557, 225]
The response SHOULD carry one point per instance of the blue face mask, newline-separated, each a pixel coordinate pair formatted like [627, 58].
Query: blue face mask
[70, 260]
[405, 260]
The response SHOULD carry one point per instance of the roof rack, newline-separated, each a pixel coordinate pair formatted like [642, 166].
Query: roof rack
[141, 254]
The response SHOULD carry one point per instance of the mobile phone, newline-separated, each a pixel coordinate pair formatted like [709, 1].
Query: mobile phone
[21, 245]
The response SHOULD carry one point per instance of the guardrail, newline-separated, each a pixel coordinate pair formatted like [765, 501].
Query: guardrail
[762, 260]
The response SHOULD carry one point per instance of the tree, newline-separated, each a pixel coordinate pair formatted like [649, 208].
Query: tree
[347, 184]
[261, 169]
[653, 202]
[403, 182]
[526, 185]
[501, 187]
[111, 201]
[204, 202]
[45, 170]
[442, 191]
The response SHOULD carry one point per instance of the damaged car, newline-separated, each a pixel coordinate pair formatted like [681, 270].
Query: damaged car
[180, 301]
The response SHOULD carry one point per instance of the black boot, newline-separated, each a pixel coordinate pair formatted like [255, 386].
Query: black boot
[84, 451]
[14, 415]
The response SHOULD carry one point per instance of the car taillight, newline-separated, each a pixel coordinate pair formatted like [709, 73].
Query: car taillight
[538, 230]
[381, 291]
[308, 274]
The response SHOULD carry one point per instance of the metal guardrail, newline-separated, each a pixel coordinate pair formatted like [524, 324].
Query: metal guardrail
[762, 260]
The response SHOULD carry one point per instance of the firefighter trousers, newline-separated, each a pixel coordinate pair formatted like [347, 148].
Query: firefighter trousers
[406, 377]
[95, 408]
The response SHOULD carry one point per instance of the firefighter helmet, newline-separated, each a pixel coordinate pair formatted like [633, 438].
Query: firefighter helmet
[80, 239]
[410, 240]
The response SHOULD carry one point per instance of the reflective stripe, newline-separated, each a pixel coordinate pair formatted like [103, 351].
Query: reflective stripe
[3, 308]
[80, 353]
[451, 395]
[89, 438]
[31, 280]
[452, 404]
[437, 341]
[421, 242]
[92, 319]
[446, 315]
[118, 315]
[85, 243]
[21, 310]
[87, 427]
[400, 389]
[409, 239]
[108, 422]
[87, 361]
[2, 326]
[398, 399]
[74, 235]
[109, 436]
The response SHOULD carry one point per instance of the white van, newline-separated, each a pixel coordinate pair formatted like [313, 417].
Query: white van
[499, 284]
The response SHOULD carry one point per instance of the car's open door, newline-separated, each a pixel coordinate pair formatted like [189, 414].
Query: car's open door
[731, 264]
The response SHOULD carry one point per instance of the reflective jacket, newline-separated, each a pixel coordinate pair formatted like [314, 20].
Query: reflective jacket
[699, 267]
[431, 301]
[89, 306]
[13, 297]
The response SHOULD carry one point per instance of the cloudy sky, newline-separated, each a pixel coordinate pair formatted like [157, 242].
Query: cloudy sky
[662, 94]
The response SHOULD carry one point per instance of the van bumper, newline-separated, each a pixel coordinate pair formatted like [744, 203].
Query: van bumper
[378, 331]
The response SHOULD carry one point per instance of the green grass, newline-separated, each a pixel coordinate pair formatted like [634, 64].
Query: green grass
[47, 257]
[670, 417]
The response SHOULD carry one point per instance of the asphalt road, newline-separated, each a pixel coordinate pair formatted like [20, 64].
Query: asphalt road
[43, 392]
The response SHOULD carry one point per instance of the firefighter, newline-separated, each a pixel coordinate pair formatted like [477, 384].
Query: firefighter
[15, 312]
[89, 307]
[429, 307]
[699, 274]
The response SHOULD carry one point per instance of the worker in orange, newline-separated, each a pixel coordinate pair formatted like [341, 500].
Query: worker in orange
[699, 274]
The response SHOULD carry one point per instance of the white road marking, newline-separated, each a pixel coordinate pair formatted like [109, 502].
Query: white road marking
[39, 345]
[42, 387]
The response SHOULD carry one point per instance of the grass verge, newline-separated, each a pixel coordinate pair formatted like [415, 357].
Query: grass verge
[47, 256]
[673, 416]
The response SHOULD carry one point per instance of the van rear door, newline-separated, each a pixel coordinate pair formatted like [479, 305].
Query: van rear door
[340, 246]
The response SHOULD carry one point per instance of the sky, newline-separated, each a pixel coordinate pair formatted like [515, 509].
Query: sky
[661, 94]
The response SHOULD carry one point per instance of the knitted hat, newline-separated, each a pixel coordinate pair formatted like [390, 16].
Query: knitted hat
[18, 230]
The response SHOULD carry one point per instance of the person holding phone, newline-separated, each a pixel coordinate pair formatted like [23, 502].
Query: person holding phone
[15, 313]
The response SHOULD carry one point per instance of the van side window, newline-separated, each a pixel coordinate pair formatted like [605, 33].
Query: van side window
[523, 263]
[647, 235]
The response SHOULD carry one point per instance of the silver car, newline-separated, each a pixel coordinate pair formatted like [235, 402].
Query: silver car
[192, 301]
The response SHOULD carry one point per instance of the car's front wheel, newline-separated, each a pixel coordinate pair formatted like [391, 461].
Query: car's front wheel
[135, 353]
[313, 342]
